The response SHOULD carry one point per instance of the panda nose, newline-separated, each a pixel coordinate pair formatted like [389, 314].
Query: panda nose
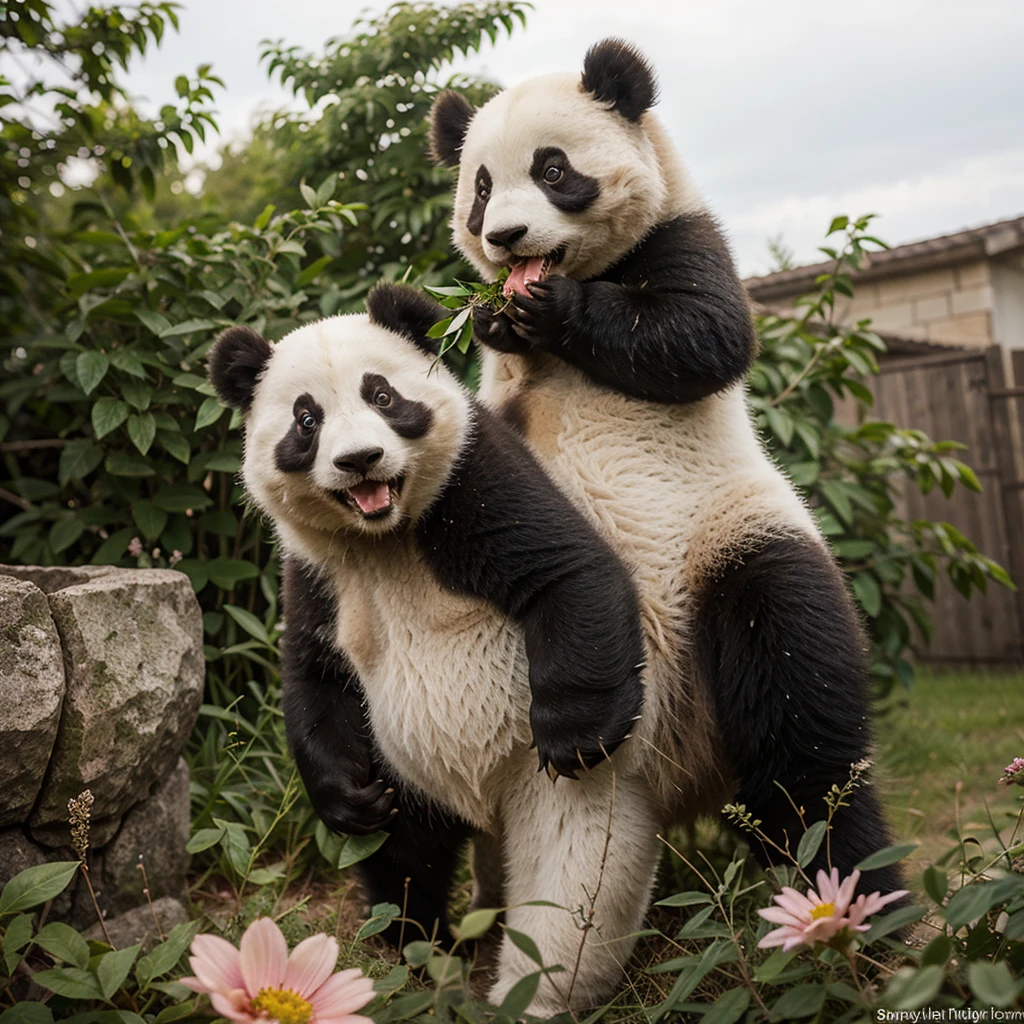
[359, 462]
[507, 237]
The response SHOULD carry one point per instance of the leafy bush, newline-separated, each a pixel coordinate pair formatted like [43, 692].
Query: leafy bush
[850, 473]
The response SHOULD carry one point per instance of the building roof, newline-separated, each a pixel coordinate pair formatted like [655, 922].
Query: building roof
[975, 243]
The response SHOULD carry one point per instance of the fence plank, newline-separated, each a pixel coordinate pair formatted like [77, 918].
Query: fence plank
[948, 397]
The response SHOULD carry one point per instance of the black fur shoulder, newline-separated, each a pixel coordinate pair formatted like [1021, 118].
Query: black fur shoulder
[503, 531]
[669, 322]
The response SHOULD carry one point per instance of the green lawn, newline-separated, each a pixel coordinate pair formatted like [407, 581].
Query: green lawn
[954, 729]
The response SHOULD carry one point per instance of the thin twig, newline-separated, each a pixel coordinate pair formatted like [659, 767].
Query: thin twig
[13, 447]
[588, 923]
[149, 898]
[14, 499]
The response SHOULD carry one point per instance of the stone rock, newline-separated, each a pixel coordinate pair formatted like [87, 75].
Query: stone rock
[133, 661]
[156, 831]
[138, 926]
[17, 853]
[32, 671]
[51, 578]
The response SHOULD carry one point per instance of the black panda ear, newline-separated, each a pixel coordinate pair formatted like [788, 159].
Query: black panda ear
[407, 312]
[449, 121]
[617, 73]
[236, 360]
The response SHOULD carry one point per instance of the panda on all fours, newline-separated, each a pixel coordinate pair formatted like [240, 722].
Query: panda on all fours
[621, 358]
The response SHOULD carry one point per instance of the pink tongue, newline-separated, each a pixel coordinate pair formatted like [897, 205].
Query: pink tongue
[371, 495]
[522, 274]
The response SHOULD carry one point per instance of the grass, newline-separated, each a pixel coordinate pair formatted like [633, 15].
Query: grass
[951, 734]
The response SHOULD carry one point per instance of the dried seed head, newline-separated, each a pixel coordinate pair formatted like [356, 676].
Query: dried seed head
[79, 812]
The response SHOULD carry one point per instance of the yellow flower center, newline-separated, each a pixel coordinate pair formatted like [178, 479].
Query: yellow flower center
[817, 913]
[283, 1005]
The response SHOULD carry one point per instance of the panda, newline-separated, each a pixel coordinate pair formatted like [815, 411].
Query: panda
[621, 358]
[447, 609]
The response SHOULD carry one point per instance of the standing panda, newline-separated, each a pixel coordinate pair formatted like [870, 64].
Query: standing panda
[621, 359]
[447, 609]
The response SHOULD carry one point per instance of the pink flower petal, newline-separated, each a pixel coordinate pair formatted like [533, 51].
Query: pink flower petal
[779, 916]
[775, 938]
[346, 992]
[345, 1018]
[796, 904]
[846, 891]
[263, 956]
[310, 964]
[215, 963]
[233, 1005]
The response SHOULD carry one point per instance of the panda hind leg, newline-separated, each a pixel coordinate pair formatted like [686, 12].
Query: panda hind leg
[779, 645]
[415, 870]
[580, 846]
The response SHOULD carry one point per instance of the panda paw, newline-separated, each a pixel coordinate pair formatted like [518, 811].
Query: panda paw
[495, 330]
[542, 318]
[353, 809]
[564, 749]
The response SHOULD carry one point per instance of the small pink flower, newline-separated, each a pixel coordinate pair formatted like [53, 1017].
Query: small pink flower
[1013, 773]
[259, 982]
[820, 916]
[176, 557]
[135, 547]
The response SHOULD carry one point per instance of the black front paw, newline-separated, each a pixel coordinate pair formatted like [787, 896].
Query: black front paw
[543, 317]
[353, 809]
[495, 331]
[570, 736]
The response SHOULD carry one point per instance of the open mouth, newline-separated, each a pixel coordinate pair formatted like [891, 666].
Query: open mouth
[527, 270]
[372, 499]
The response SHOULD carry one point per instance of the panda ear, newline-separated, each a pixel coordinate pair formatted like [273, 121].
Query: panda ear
[617, 73]
[407, 312]
[449, 121]
[236, 360]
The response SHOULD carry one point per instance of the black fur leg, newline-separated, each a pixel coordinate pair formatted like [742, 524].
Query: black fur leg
[424, 846]
[543, 316]
[495, 330]
[325, 719]
[778, 642]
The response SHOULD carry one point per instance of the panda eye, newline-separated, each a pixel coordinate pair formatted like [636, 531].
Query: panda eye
[483, 190]
[382, 398]
[306, 423]
[553, 175]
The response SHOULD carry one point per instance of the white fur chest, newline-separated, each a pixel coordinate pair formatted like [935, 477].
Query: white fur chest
[674, 489]
[445, 677]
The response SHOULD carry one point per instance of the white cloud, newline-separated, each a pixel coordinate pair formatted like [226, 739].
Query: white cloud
[786, 112]
[973, 192]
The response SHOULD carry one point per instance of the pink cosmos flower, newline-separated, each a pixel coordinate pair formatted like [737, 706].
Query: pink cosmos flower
[259, 982]
[1014, 772]
[820, 916]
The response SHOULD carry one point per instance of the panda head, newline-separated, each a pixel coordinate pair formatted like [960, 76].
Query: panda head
[347, 431]
[561, 174]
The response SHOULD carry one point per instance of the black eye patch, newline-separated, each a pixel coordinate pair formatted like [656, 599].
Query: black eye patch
[406, 417]
[296, 451]
[481, 193]
[566, 188]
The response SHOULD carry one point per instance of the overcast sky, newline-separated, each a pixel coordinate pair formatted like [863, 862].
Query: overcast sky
[786, 112]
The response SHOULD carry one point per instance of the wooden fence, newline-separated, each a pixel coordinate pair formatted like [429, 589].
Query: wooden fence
[976, 397]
